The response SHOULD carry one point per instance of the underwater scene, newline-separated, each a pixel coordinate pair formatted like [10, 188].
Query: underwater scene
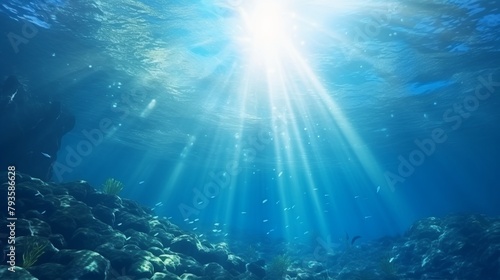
[257, 139]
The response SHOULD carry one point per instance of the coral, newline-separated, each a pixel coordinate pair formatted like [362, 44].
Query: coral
[112, 186]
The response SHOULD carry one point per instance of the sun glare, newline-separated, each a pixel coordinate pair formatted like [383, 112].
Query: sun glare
[266, 25]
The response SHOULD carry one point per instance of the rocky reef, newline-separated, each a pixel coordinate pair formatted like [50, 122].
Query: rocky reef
[72, 231]
[455, 247]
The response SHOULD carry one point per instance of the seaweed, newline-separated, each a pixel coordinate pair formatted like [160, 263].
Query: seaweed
[278, 267]
[32, 252]
[112, 186]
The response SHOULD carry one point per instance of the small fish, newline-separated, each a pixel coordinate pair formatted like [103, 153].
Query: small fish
[264, 201]
[46, 155]
[265, 221]
[141, 182]
[378, 189]
[159, 204]
[13, 95]
[281, 173]
[368, 217]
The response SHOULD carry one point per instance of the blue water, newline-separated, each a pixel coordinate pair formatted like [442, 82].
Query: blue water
[358, 118]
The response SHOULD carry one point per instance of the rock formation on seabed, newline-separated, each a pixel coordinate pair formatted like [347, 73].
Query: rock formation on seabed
[72, 231]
